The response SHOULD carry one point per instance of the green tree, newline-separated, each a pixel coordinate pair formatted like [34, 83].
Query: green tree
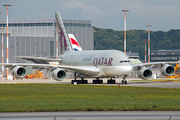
[105, 39]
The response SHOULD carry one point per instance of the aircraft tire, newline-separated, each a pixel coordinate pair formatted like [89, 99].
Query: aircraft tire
[94, 81]
[125, 82]
[111, 81]
[100, 81]
[72, 81]
[122, 82]
[85, 82]
[79, 81]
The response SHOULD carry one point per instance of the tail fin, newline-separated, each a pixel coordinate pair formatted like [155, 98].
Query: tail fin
[62, 35]
[74, 43]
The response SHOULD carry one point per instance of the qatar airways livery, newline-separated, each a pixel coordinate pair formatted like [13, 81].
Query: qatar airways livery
[89, 63]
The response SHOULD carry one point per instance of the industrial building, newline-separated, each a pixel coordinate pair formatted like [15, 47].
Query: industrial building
[38, 37]
[165, 55]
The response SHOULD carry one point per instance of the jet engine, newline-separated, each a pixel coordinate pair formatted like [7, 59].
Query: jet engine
[19, 72]
[58, 74]
[144, 73]
[167, 70]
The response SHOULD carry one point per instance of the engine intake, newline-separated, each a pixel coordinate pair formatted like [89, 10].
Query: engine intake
[58, 74]
[167, 70]
[144, 73]
[19, 72]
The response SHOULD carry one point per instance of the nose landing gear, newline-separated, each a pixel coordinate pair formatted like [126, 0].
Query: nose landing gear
[124, 80]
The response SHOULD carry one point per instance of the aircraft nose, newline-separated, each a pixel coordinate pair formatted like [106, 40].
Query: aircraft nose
[129, 68]
[126, 70]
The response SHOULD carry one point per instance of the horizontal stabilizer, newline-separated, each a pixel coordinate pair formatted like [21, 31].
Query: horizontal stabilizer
[39, 60]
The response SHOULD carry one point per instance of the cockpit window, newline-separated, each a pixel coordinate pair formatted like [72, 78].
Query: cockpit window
[124, 61]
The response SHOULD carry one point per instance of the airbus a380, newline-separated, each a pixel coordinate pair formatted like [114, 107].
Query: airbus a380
[89, 63]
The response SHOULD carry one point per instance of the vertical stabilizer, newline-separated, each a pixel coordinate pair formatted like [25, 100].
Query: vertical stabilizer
[74, 43]
[62, 35]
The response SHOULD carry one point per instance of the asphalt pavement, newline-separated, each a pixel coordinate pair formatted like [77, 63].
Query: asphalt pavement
[166, 83]
[94, 115]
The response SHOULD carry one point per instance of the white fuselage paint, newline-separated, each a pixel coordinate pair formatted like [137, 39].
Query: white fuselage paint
[109, 63]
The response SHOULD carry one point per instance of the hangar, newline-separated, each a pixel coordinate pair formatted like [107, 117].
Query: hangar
[38, 37]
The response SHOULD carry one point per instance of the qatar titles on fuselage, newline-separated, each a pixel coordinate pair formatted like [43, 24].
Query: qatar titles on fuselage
[110, 62]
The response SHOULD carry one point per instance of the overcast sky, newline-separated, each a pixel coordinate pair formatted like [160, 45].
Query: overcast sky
[161, 14]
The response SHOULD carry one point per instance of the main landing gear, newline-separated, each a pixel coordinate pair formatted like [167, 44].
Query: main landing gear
[124, 80]
[82, 81]
[97, 81]
[111, 81]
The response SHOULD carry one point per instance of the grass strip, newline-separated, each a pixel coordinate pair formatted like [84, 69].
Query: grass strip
[59, 97]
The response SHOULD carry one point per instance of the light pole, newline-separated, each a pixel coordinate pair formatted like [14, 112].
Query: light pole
[125, 29]
[148, 42]
[145, 51]
[2, 54]
[7, 70]
[56, 41]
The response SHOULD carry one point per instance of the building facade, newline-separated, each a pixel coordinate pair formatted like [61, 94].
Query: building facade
[38, 37]
[165, 55]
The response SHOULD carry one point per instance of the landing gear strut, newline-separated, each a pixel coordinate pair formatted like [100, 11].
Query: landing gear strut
[82, 81]
[111, 81]
[124, 80]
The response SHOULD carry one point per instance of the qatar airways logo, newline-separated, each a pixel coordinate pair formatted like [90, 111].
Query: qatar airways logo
[102, 61]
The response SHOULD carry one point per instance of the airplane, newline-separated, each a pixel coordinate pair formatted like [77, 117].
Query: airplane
[88, 63]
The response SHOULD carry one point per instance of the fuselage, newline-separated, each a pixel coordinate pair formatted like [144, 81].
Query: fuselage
[109, 62]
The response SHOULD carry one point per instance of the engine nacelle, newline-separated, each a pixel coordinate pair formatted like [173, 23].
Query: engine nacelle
[58, 74]
[144, 73]
[18, 72]
[167, 70]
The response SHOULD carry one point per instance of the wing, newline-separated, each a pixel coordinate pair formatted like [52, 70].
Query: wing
[159, 64]
[12, 65]
[39, 60]
[84, 70]
[145, 73]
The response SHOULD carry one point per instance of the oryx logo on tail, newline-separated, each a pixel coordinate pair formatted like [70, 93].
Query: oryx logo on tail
[62, 35]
